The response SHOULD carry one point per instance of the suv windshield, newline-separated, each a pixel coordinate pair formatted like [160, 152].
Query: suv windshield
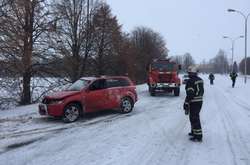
[163, 66]
[78, 85]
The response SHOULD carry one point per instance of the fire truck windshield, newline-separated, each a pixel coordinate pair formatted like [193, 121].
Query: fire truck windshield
[163, 66]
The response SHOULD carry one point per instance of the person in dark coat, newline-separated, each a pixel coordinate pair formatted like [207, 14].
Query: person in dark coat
[193, 103]
[233, 76]
[211, 78]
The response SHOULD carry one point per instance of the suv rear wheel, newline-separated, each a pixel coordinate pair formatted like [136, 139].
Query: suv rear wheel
[71, 113]
[126, 105]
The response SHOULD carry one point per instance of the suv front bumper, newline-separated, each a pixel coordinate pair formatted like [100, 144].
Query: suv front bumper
[51, 110]
[43, 110]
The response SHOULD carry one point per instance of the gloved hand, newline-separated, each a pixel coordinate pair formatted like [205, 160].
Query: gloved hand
[186, 107]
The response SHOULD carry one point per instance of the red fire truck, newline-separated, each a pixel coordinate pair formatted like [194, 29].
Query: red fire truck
[163, 77]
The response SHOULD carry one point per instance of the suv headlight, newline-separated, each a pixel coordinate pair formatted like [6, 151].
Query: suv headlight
[56, 102]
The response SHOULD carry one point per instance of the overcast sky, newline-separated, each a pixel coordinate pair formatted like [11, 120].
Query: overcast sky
[194, 26]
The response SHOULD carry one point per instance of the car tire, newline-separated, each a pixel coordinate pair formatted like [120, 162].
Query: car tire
[177, 91]
[127, 105]
[71, 113]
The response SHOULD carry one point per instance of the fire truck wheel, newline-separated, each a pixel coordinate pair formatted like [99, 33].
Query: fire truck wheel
[177, 91]
[152, 91]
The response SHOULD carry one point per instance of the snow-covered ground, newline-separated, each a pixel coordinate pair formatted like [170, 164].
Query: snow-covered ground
[155, 133]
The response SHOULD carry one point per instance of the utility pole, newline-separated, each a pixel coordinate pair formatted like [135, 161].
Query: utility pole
[233, 44]
[246, 19]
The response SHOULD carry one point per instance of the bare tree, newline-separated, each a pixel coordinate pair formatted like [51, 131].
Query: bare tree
[23, 24]
[149, 45]
[178, 59]
[220, 63]
[72, 39]
[187, 61]
[107, 39]
[242, 66]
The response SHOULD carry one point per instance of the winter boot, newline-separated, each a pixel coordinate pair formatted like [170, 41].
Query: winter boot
[196, 139]
[190, 134]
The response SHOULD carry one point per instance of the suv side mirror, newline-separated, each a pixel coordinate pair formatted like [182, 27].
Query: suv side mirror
[93, 87]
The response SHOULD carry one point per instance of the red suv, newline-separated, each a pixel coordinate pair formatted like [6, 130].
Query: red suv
[90, 94]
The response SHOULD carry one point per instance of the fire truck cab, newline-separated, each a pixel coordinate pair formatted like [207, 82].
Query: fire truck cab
[163, 77]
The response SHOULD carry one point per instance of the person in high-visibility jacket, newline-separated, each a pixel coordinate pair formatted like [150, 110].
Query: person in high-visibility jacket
[193, 102]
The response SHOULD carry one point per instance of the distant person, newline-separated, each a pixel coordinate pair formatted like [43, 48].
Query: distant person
[211, 78]
[233, 76]
[193, 103]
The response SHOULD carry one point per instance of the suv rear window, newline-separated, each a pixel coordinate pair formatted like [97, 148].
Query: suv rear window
[117, 82]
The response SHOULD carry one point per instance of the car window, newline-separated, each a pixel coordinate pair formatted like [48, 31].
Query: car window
[117, 82]
[124, 82]
[78, 85]
[98, 85]
[112, 83]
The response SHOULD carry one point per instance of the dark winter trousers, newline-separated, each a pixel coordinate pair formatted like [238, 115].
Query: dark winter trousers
[194, 117]
[211, 81]
[233, 82]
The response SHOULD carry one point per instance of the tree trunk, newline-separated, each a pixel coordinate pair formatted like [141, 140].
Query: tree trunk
[27, 55]
[26, 94]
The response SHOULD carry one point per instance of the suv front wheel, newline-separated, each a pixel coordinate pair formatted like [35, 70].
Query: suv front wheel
[71, 113]
[126, 105]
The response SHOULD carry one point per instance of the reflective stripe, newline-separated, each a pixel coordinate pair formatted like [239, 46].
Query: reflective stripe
[197, 86]
[196, 100]
[190, 89]
[197, 131]
[198, 82]
[198, 89]
[198, 97]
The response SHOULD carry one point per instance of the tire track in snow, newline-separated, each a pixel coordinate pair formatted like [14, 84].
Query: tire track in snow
[61, 128]
[46, 134]
[175, 144]
[241, 103]
[164, 146]
[233, 134]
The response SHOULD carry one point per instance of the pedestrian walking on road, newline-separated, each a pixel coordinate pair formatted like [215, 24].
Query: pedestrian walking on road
[233, 76]
[211, 78]
[193, 102]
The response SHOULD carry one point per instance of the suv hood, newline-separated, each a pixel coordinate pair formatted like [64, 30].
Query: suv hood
[62, 94]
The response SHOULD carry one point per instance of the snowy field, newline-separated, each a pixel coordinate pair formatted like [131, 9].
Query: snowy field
[155, 133]
[10, 89]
